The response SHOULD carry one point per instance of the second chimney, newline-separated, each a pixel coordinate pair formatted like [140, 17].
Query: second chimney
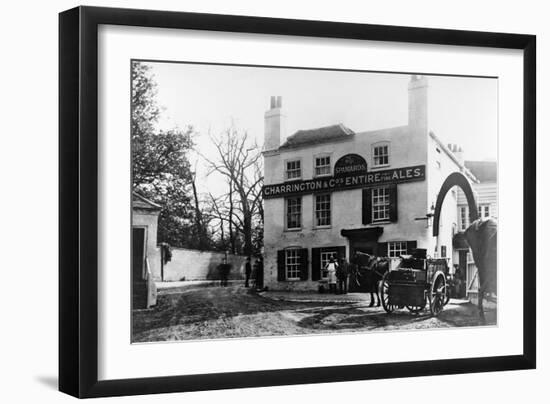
[275, 124]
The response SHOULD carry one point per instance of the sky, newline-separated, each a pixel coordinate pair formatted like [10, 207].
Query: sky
[462, 110]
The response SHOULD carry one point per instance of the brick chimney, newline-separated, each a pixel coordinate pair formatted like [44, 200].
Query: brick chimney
[275, 124]
[418, 105]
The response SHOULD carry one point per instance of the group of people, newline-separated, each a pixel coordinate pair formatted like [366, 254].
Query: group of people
[337, 274]
[255, 272]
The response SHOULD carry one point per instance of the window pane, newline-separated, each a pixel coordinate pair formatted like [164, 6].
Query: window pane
[293, 169]
[322, 210]
[293, 212]
[322, 165]
[397, 248]
[381, 155]
[292, 263]
[380, 204]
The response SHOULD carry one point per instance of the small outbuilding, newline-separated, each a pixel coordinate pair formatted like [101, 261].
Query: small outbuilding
[145, 215]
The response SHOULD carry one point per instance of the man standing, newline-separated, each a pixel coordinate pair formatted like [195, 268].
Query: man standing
[224, 269]
[247, 271]
[342, 273]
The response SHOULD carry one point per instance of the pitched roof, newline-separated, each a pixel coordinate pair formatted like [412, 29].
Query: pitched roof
[140, 202]
[485, 171]
[318, 135]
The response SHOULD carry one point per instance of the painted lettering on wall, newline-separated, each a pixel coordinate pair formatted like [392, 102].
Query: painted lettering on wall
[392, 176]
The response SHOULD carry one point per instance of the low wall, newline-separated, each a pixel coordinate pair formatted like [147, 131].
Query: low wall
[191, 265]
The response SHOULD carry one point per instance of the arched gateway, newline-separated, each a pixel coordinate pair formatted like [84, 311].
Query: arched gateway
[455, 179]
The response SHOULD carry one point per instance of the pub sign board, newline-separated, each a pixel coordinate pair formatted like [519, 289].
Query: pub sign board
[342, 183]
[350, 164]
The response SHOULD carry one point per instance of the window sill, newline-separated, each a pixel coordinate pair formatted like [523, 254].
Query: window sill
[293, 179]
[293, 230]
[380, 166]
[292, 280]
[322, 227]
[380, 222]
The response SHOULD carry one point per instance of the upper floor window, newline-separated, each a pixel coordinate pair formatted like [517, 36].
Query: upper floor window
[293, 213]
[322, 210]
[293, 169]
[381, 154]
[322, 165]
[483, 211]
[380, 204]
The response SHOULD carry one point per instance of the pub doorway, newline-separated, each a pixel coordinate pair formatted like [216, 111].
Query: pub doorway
[362, 241]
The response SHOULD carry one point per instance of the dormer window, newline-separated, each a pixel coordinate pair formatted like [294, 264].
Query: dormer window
[322, 165]
[293, 170]
[381, 154]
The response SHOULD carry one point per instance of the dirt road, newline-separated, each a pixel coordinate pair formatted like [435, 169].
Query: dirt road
[206, 312]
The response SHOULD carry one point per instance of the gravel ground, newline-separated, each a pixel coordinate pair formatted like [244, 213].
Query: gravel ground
[209, 311]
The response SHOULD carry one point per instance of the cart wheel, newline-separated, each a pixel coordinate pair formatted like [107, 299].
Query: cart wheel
[438, 293]
[384, 294]
[417, 309]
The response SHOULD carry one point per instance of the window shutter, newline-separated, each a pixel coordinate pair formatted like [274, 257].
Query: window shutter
[367, 206]
[303, 264]
[281, 267]
[382, 249]
[341, 253]
[315, 264]
[411, 246]
[393, 203]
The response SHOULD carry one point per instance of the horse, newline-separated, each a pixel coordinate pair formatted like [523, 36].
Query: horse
[371, 269]
[481, 235]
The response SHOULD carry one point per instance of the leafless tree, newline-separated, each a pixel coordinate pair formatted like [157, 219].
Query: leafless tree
[239, 160]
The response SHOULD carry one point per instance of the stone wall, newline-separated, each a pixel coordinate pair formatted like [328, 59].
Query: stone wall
[191, 265]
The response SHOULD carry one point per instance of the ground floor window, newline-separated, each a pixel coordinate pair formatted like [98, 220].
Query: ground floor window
[397, 248]
[292, 263]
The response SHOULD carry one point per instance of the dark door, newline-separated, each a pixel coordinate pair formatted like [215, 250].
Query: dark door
[138, 257]
[139, 285]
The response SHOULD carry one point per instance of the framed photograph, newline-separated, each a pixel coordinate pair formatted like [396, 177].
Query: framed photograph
[250, 201]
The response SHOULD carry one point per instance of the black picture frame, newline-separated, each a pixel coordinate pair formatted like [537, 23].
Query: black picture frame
[78, 200]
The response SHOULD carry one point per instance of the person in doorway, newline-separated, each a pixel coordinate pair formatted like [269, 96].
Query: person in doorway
[331, 274]
[342, 274]
[247, 271]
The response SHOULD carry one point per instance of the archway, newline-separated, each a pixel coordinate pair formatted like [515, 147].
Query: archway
[454, 179]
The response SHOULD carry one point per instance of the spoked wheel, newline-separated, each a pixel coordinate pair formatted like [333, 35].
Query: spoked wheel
[384, 294]
[438, 293]
[417, 309]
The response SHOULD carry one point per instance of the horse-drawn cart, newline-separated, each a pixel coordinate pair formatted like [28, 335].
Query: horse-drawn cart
[414, 284]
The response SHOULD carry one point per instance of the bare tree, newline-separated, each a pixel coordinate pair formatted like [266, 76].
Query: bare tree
[239, 161]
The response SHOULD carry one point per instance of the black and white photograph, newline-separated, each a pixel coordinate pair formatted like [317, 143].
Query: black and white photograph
[271, 201]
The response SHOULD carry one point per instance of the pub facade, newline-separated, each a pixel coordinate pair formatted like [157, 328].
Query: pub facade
[329, 192]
